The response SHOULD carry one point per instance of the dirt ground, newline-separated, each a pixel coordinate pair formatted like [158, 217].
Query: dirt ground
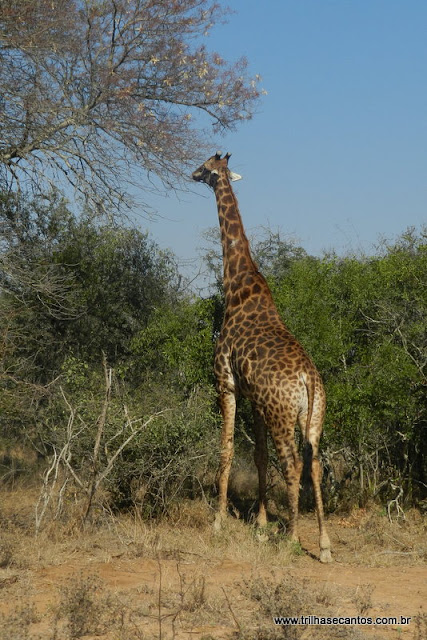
[127, 580]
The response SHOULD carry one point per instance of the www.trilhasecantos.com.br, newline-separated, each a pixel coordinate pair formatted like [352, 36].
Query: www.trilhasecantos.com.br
[341, 620]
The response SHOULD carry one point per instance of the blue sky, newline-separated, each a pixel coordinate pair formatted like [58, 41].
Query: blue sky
[337, 154]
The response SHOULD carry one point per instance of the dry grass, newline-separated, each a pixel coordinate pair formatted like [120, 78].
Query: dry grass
[197, 539]
[126, 579]
[293, 597]
[370, 539]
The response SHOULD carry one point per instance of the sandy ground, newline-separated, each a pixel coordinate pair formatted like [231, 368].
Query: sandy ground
[182, 584]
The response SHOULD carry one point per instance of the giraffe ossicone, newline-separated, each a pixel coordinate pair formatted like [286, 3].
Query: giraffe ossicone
[258, 357]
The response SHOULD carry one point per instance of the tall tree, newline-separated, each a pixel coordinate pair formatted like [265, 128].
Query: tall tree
[92, 90]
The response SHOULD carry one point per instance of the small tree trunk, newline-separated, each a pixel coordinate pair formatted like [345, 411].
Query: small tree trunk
[93, 482]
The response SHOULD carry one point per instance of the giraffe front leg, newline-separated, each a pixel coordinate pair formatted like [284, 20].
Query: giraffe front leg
[228, 409]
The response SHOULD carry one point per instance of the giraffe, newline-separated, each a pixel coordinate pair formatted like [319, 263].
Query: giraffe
[257, 357]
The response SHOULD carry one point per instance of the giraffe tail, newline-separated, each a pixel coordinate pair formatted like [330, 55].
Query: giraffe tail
[310, 384]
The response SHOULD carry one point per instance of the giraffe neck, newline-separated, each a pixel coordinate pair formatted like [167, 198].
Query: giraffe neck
[240, 270]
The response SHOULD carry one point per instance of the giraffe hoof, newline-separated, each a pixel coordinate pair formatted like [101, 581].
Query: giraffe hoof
[325, 556]
[262, 535]
[217, 525]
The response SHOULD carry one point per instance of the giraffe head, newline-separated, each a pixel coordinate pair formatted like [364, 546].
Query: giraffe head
[209, 171]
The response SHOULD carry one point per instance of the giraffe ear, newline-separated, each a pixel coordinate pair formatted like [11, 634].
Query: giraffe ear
[234, 176]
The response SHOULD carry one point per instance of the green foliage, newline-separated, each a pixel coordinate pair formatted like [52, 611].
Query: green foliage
[176, 456]
[81, 287]
[72, 290]
[363, 320]
[122, 277]
[177, 344]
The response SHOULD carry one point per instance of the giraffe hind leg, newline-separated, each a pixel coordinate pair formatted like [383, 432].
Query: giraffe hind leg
[292, 471]
[324, 542]
[261, 461]
[291, 466]
[316, 478]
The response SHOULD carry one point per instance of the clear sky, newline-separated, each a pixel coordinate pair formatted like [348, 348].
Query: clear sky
[337, 154]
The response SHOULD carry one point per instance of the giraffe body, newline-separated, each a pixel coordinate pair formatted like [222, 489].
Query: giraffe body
[259, 358]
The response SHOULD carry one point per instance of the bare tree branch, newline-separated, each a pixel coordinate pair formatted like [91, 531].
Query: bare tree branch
[94, 91]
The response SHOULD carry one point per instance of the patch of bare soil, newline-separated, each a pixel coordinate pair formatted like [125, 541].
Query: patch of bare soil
[125, 580]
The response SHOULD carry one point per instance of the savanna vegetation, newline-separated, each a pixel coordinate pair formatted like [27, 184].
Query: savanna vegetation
[106, 370]
[106, 354]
